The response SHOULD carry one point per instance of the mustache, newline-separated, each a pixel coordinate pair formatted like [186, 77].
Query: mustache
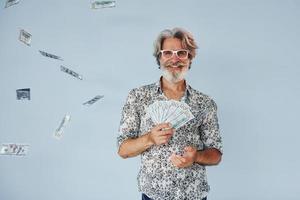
[176, 64]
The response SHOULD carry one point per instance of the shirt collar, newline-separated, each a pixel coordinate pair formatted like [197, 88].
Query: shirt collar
[158, 88]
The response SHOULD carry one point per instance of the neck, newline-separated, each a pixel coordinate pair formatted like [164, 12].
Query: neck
[176, 87]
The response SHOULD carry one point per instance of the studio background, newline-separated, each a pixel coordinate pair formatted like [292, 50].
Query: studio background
[248, 62]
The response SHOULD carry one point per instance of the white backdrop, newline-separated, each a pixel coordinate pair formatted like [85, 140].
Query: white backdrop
[248, 62]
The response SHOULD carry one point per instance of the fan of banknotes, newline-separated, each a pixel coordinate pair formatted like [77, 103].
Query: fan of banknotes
[174, 112]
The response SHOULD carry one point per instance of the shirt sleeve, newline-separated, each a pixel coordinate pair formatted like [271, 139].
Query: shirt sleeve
[209, 129]
[130, 119]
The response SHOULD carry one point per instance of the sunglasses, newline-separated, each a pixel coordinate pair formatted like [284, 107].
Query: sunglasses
[181, 54]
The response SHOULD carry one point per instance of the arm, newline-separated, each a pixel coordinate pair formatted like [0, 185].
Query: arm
[210, 136]
[210, 156]
[134, 147]
[158, 135]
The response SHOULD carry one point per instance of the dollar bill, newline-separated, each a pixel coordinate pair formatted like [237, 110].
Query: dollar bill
[23, 94]
[103, 4]
[93, 100]
[14, 149]
[71, 72]
[49, 55]
[25, 37]
[171, 111]
[11, 3]
[59, 131]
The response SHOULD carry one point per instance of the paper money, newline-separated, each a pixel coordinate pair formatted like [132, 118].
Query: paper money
[14, 149]
[11, 2]
[59, 131]
[93, 100]
[103, 4]
[174, 112]
[71, 72]
[49, 55]
[25, 37]
[23, 94]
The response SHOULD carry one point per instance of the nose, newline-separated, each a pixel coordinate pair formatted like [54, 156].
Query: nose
[175, 58]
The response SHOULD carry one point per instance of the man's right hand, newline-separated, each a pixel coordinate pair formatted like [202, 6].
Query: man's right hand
[161, 133]
[158, 135]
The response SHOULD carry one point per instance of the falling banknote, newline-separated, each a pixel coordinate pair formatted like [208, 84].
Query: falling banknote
[174, 112]
[49, 55]
[59, 131]
[25, 37]
[14, 149]
[103, 4]
[93, 100]
[11, 3]
[70, 72]
[23, 94]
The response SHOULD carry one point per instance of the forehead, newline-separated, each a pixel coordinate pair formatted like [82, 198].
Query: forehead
[172, 43]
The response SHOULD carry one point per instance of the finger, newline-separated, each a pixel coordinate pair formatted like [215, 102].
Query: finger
[164, 139]
[175, 161]
[181, 159]
[168, 132]
[165, 133]
[169, 137]
[163, 125]
[170, 126]
[190, 152]
[189, 149]
[171, 156]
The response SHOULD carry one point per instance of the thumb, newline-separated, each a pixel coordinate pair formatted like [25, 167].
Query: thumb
[162, 126]
[188, 149]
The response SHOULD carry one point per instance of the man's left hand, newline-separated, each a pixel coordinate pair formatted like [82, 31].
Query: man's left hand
[188, 158]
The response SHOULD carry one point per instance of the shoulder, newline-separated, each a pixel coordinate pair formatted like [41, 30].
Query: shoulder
[144, 88]
[142, 91]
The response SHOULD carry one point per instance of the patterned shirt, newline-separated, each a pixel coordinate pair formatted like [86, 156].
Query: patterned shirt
[158, 178]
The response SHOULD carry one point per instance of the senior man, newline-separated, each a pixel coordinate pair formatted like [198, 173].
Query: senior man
[172, 161]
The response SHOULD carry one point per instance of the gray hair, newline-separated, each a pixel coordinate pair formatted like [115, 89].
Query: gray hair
[186, 38]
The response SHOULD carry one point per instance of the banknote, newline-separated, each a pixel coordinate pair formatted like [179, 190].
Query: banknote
[93, 100]
[25, 37]
[171, 111]
[23, 94]
[103, 4]
[14, 149]
[70, 72]
[59, 131]
[11, 3]
[49, 55]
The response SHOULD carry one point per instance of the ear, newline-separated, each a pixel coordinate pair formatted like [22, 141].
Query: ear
[158, 62]
[190, 65]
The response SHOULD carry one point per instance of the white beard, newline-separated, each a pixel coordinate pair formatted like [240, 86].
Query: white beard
[174, 77]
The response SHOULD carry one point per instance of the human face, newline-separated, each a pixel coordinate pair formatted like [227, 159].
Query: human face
[174, 68]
